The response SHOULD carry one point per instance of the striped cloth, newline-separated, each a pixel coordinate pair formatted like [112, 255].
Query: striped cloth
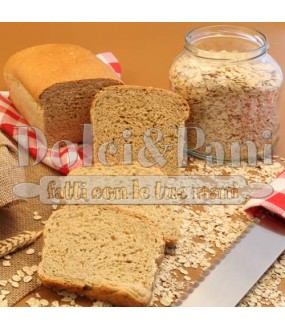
[274, 200]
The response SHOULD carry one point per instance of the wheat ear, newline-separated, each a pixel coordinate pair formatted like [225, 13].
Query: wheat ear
[12, 244]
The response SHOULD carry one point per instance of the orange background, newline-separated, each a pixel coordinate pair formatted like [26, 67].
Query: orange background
[145, 50]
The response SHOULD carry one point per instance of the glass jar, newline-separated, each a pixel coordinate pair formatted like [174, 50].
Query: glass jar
[232, 86]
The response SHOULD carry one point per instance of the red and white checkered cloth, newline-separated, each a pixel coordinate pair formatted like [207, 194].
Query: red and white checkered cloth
[274, 200]
[65, 158]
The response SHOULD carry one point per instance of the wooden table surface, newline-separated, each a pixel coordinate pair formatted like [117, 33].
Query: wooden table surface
[145, 50]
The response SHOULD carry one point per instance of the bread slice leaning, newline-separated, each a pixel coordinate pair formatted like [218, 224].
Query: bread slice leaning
[103, 253]
[123, 115]
[166, 216]
[53, 86]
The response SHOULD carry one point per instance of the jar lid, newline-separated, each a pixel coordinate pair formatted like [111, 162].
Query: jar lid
[226, 42]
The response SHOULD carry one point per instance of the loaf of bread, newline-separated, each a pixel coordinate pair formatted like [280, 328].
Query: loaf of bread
[132, 111]
[53, 86]
[166, 216]
[103, 253]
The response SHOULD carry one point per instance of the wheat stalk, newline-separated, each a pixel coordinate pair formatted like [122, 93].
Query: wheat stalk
[12, 244]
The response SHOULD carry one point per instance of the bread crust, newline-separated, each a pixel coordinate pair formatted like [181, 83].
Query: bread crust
[43, 66]
[110, 294]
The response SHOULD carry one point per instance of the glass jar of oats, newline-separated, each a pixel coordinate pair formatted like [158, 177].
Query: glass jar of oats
[232, 85]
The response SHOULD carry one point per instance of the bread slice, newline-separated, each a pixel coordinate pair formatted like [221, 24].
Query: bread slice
[53, 87]
[103, 253]
[134, 110]
[166, 216]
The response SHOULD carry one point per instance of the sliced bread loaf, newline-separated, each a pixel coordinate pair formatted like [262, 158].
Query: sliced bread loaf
[53, 87]
[103, 253]
[166, 216]
[127, 115]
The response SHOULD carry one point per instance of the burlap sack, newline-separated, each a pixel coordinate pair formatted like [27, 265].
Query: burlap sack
[10, 172]
[16, 215]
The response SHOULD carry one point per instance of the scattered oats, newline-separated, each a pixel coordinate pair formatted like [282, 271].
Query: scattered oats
[182, 259]
[26, 269]
[66, 299]
[6, 263]
[33, 302]
[8, 257]
[37, 217]
[28, 279]
[38, 295]
[183, 271]
[16, 278]
[55, 304]
[35, 213]
[20, 273]
[54, 207]
[5, 292]
[30, 251]
[15, 284]
[204, 234]
[166, 301]
[2, 297]
[4, 303]
[43, 222]
[283, 159]
[3, 283]
[44, 302]
[34, 268]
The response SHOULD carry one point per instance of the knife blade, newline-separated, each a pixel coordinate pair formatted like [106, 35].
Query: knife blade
[236, 272]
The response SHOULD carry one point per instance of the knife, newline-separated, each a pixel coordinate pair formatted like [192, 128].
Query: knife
[236, 272]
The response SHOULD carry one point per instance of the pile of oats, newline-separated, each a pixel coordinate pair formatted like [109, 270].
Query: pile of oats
[231, 101]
